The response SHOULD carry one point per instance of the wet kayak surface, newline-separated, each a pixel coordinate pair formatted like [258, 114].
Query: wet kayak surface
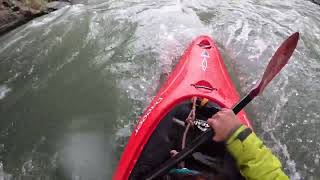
[73, 83]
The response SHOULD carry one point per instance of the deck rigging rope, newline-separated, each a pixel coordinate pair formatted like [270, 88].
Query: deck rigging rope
[190, 119]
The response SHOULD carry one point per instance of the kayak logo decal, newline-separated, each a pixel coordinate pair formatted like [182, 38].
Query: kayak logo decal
[205, 56]
[146, 115]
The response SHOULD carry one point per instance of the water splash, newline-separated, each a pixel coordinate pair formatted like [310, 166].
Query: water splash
[4, 175]
[4, 90]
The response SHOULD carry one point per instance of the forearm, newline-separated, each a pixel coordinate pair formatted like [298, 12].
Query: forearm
[254, 159]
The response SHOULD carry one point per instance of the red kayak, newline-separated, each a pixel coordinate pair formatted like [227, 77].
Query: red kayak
[200, 81]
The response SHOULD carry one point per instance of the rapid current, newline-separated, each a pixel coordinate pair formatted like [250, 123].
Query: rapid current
[74, 82]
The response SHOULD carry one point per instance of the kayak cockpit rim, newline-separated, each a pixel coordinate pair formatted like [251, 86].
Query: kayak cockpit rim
[152, 126]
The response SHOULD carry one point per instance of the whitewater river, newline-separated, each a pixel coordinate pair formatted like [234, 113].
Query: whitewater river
[73, 83]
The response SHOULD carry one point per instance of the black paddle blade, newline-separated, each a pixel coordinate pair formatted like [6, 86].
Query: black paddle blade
[277, 62]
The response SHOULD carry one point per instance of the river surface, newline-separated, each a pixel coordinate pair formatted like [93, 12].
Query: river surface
[73, 83]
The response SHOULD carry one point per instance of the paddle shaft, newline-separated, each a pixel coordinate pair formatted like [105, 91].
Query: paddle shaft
[204, 137]
[181, 155]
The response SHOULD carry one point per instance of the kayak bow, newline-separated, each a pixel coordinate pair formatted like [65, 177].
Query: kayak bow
[200, 73]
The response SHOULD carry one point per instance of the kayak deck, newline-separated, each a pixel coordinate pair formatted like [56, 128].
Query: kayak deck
[199, 73]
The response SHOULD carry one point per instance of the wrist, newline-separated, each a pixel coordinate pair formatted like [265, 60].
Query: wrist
[234, 133]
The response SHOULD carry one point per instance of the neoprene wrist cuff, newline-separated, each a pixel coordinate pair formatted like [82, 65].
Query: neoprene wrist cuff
[235, 134]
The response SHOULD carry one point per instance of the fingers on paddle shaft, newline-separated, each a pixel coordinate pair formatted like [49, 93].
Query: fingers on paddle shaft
[277, 62]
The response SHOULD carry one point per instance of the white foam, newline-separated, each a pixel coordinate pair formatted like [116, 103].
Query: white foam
[4, 90]
[74, 9]
[45, 20]
[4, 175]
[12, 42]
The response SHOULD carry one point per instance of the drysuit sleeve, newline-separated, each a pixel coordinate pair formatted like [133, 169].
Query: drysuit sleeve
[253, 158]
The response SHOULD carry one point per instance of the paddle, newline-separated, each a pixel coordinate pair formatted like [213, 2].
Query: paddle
[277, 62]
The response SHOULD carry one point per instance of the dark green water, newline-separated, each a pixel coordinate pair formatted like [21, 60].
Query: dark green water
[73, 83]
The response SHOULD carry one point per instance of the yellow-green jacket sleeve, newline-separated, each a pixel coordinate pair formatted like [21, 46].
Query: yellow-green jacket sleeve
[253, 158]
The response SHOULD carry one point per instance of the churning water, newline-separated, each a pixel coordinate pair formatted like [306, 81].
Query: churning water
[73, 83]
